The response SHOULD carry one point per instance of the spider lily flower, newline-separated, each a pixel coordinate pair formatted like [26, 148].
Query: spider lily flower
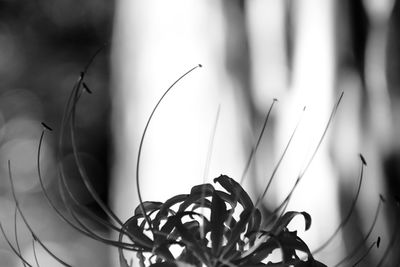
[209, 240]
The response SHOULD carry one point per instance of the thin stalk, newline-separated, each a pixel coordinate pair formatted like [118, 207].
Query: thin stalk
[362, 242]
[12, 247]
[302, 173]
[368, 251]
[54, 208]
[394, 237]
[16, 234]
[34, 253]
[81, 167]
[88, 232]
[254, 150]
[333, 113]
[26, 221]
[148, 221]
[250, 159]
[207, 166]
[349, 213]
[69, 111]
[260, 198]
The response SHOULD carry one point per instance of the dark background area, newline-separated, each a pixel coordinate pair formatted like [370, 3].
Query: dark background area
[43, 47]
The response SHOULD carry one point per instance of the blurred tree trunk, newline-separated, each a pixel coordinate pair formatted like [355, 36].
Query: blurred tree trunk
[312, 85]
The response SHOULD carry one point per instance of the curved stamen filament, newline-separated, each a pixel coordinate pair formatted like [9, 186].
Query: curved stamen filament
[350, 212]
[362, 242]
[148, 221]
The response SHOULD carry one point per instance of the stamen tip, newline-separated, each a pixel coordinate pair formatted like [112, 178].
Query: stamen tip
[378, 241]
[382, 198]
[86, 88]
[275, 100]
[363, 159]
[47, 127]
[200, 66]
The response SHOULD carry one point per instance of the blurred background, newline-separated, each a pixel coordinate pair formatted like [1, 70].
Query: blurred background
[305, 53]
[44, 45]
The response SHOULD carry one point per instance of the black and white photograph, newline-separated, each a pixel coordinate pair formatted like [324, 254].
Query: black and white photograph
[200, 133]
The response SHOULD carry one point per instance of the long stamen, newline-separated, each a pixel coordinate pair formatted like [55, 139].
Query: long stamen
[53, 206]
[26, 221]
[69, 112]
[207, 167]
[350, 212]
[16, 234]
[260, 198]
[211, 145]
[377, 242]
[141, 145]
[34, 253]
[389, 248]
[333, 113]
[12, 247]
[95, 54]
[82, 169]
[251, 156]
[254, 150]
[88, 232]
[285, 202]
[362, 242]
[394, 237]
[81, 207]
